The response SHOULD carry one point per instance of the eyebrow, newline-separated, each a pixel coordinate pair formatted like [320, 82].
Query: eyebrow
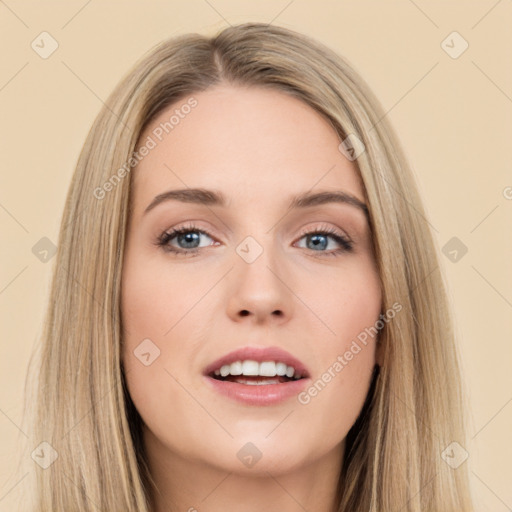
[215, 198]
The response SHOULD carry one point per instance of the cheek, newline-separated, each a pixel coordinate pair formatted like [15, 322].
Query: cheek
[336, 397]
[351, 301]
[155, 323]
[155, 297]
[346, 356]
[150, 309]
[163, 314]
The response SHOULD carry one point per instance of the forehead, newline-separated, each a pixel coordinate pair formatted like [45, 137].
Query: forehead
[255, 144]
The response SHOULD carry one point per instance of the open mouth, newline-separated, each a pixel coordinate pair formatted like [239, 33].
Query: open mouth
[254, 373]
[255, 380]
[257, 377]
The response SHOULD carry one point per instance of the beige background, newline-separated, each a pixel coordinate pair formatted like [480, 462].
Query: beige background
[453, 115]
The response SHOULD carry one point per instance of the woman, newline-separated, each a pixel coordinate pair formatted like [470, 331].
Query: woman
[246, 311]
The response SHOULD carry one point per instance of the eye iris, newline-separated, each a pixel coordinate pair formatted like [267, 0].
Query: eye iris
[189, 237]
[315, 239]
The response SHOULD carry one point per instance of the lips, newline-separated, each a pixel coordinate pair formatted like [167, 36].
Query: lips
[257, 390]
[258, 354]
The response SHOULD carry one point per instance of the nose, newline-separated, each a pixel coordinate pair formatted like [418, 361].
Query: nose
[259, 292]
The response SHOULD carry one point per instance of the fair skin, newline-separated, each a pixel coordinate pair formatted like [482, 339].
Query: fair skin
[259, 148]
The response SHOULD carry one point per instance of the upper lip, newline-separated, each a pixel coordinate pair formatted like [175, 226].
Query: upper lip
[259, 354]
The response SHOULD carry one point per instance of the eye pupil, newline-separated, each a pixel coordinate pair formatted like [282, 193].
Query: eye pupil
[319, 243]
[189, 237]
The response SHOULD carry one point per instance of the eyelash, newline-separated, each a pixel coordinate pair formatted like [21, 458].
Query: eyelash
[164, 239]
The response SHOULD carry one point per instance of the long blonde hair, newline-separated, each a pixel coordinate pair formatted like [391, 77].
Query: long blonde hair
[78, 395]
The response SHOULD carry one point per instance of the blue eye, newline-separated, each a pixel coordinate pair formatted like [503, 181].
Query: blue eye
[188, 239]
[319, 239]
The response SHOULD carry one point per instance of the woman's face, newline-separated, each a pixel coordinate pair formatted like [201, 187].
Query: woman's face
[249, 273]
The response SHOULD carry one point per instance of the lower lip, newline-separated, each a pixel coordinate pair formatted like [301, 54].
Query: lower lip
[262, 394]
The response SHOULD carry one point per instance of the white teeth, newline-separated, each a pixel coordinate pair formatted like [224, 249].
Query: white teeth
[268, 369]
[250, 368]
[224, 370]
[236, 368]
[253, 368]
[280, 369]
